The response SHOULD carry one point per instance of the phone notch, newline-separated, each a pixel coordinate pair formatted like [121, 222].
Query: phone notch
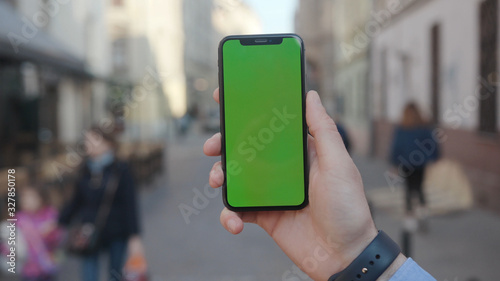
[261, 41]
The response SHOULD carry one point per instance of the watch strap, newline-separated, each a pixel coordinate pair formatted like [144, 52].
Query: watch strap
[372, 262]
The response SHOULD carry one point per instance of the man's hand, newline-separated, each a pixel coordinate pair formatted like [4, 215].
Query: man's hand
[328, 234]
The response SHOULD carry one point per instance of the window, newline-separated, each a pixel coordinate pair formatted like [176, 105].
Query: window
[435, 75]
[383, 84]
[488, 60]
[120, 55]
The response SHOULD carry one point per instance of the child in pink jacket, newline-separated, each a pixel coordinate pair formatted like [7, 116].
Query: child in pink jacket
[37, 222]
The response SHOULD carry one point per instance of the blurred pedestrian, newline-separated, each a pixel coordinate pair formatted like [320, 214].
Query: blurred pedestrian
[413, 147]
[37, 221]
[105, 183]
[183, 124]
[345, 136]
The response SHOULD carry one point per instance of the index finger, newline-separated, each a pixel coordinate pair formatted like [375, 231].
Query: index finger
[216, 95]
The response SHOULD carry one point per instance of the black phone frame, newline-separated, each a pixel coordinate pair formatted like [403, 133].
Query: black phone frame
[264, 39]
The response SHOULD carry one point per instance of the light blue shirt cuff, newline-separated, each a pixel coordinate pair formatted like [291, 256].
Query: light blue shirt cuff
[411, 271]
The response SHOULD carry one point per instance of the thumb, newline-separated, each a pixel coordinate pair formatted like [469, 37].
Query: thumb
[328, 142]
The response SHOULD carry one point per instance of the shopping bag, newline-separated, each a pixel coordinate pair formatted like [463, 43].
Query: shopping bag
[135, 269]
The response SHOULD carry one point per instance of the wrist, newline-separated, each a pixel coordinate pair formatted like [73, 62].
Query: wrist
[378, 261]
[356, 247]
[348, 253]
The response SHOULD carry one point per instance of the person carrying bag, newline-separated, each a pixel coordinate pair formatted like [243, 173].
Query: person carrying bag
[83, 237]
[105, 205]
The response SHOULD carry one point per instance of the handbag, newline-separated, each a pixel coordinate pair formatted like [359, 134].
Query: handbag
[136, 269]
[83, 238]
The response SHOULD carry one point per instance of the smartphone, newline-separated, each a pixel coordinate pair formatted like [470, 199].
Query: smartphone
[264, 133]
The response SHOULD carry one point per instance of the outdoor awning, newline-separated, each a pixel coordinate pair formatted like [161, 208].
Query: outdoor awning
[41, 48]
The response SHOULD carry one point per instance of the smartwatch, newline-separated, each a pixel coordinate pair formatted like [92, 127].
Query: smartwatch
[372, 262]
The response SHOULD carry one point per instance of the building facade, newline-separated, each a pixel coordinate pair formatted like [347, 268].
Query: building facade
[442, 54]
[351, 35]
[200, 58]
[205, 25]
[66, 65]
[147, 42]
[313, 23]
[46, 88]
[337, 61]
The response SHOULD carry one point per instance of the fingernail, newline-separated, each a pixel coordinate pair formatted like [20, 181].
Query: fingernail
[231, 224]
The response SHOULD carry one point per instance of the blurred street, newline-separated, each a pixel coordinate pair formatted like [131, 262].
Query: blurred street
[202, 249]
[413, 84]
[458, 246]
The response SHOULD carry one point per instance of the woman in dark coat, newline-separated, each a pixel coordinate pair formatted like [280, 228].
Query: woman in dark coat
[413, 147]
[121, 228]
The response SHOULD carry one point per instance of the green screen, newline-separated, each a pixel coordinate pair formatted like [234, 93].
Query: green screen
[263, 124]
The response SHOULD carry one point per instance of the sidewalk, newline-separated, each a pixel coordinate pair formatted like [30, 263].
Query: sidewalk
[459, 246]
